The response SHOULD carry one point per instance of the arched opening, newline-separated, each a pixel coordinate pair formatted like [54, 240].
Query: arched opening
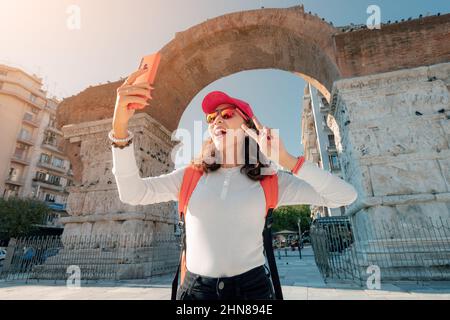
[282, 39]
[275, 97]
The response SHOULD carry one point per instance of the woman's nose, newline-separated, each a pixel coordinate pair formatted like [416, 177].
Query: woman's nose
[217, 119]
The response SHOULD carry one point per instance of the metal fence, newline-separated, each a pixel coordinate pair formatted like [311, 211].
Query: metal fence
[95, 257]
[417, 249]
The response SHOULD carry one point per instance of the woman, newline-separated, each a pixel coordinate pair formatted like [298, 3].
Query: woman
[225, 215]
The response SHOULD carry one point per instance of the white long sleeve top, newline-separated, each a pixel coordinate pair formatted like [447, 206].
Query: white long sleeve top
[226, 212]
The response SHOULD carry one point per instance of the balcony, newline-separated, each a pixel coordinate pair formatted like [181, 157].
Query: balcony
[26, 140]
[48, 185]
[20, 159]
[52, 147]
[30, 120]
[50, 166]
[53, 129]
[17, 182]
[332, 148]
[56, 206]
[22, 97]
[53, 219]
[335, 168]
[334, 164]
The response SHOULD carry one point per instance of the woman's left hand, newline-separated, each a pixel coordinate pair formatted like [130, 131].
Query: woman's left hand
[268, 140]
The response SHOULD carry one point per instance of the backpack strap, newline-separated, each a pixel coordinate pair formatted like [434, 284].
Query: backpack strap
[270, 187]
[190, 179]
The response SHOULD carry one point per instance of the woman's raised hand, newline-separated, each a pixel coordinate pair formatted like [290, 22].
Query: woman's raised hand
[268, 140]
[127, 93]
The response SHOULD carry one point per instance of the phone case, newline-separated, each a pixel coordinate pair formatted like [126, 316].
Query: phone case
[151, 62]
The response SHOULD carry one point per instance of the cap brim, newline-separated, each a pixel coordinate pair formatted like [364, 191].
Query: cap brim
[215, 99]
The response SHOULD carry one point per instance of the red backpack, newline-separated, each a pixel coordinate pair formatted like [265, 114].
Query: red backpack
[269, 184]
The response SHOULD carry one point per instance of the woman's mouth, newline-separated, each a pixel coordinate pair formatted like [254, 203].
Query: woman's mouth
[220, 132]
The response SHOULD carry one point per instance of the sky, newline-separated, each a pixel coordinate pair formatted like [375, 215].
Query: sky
[115, 34]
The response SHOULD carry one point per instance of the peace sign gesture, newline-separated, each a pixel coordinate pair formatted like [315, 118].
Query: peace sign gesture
[268, 140]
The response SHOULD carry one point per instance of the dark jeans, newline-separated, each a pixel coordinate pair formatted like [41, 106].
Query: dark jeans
[254, 284]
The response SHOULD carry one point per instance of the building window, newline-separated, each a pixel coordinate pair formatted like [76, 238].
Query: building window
[45, 158]
[28, 116]
[52, 122]
[50, 197]
[11, 191]
[334, 162]
[13, 174]
[25, 134]
[49, 178]
[33, 98]
[34, 191]
[50, 138]
[331, 142]
[58, 162]
[54, 180]
[41, 176]
[21, 150]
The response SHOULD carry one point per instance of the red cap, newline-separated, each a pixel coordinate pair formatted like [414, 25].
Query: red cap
[215, 98]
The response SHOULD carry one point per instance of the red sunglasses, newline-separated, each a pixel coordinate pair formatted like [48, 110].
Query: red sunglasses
[225, 113]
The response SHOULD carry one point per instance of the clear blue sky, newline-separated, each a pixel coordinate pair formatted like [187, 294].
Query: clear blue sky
[114, 35]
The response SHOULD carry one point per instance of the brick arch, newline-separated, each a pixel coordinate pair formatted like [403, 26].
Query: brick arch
[284, 39]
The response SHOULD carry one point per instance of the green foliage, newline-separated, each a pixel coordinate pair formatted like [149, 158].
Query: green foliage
[19, 215]
[286, 218]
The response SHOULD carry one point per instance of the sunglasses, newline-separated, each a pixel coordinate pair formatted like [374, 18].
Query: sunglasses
[225, 113]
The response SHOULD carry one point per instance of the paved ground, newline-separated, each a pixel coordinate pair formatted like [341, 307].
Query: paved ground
[300, 279]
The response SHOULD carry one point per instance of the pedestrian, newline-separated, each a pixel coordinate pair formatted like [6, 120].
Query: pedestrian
[223, 256]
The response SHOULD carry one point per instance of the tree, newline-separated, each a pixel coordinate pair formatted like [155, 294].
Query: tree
[286, 218]
[18, 217]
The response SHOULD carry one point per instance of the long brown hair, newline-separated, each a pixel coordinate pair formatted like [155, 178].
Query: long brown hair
[205, 161]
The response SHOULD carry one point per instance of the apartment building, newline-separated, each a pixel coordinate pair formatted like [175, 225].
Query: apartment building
[32, 157]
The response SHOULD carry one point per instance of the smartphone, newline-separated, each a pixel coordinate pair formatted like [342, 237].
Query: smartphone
[151, 63]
